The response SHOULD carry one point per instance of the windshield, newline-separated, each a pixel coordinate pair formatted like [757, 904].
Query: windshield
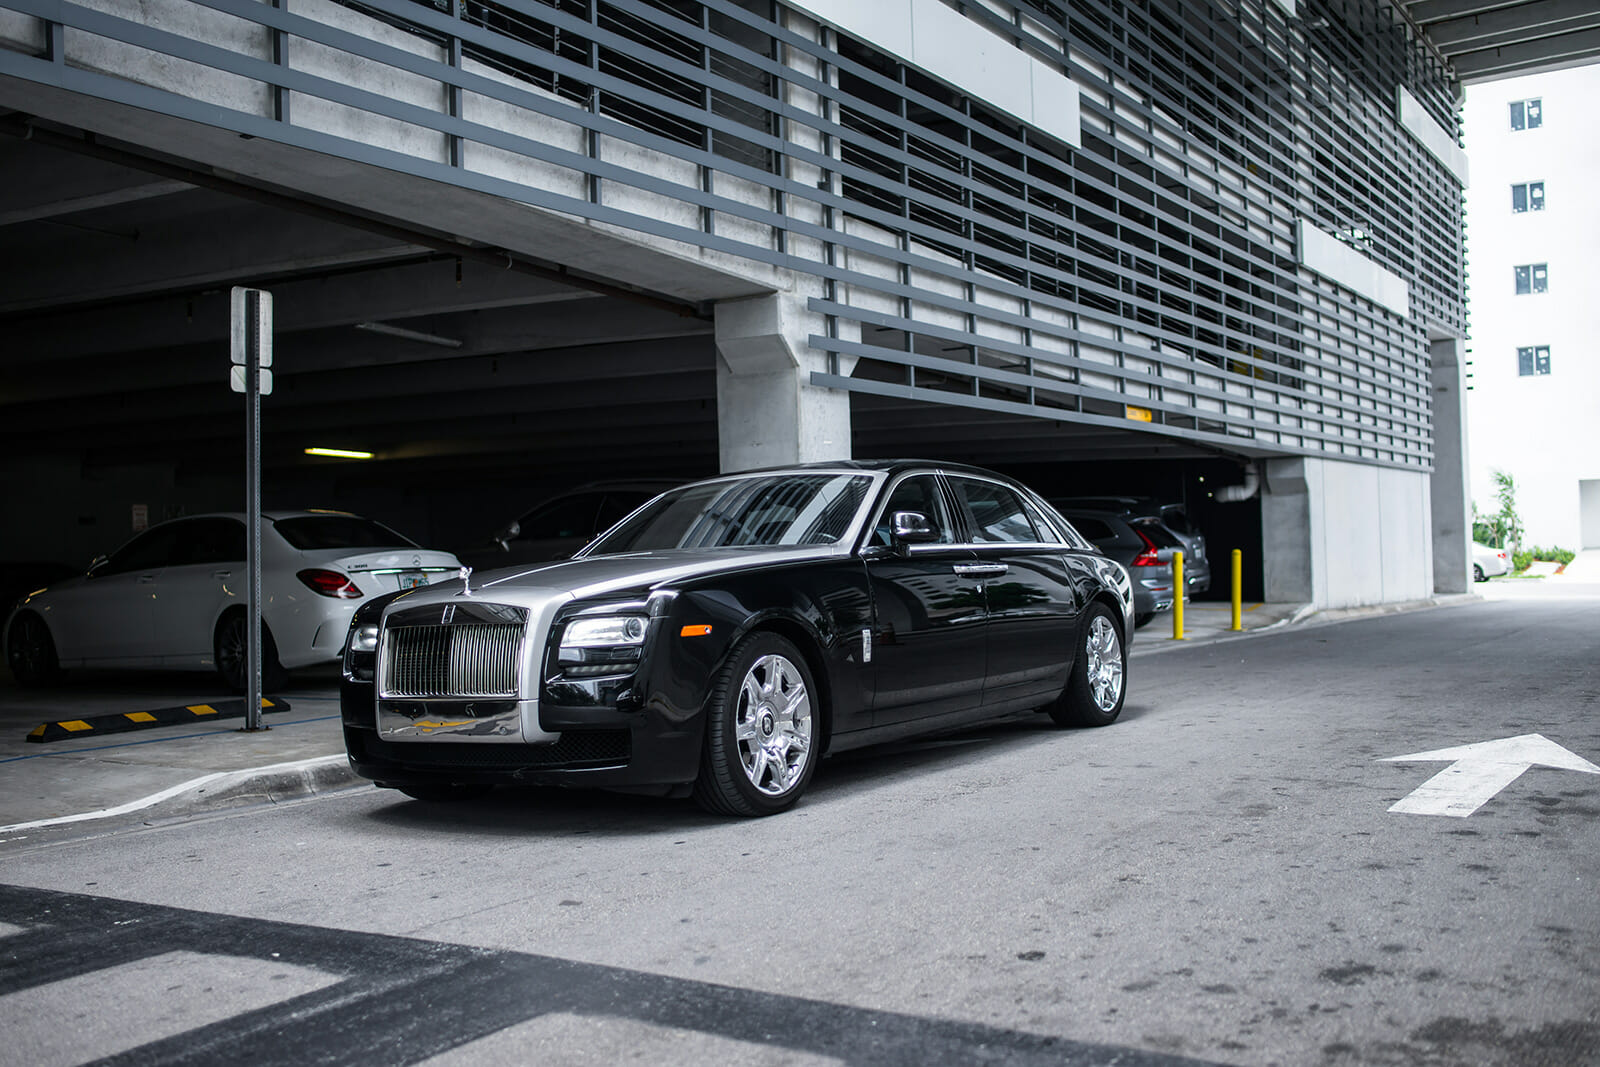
[758, 511]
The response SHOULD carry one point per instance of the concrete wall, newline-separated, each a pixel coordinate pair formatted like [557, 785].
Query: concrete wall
[1343, 535]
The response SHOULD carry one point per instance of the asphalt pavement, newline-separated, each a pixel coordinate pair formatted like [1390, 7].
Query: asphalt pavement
[170, 770]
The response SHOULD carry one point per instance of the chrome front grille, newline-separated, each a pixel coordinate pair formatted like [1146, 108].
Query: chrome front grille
[469, 659]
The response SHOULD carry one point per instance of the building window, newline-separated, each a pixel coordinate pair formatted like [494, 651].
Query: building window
[1528, 196]
[1532, 278]
[1526, 114]
[1533, 360]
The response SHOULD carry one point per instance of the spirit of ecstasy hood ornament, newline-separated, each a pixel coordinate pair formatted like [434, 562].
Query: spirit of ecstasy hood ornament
[466, 577]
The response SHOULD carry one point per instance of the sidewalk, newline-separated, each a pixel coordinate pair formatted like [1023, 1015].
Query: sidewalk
[166, 771]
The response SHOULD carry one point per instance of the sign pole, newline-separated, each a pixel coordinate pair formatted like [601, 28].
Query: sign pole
[252, 351]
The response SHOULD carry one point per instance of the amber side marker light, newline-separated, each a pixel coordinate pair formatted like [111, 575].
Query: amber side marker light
[694, 631]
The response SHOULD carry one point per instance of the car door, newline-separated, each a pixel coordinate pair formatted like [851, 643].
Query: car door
[1031, 594]
[927, 635]
[107, 619]
[206, 572]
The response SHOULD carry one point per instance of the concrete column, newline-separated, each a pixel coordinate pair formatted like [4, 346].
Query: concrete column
[768, 412]
[1288, 572]
[1449, 487]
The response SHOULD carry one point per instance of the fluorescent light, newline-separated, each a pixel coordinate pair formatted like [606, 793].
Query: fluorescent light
[409, 335]
[338, 453]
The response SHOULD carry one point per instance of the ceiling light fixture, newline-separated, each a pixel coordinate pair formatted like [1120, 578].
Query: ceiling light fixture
[338, 453]
[409, 335]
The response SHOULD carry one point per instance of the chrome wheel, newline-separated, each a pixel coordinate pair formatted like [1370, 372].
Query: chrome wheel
[772, 725]
[1103, 663]
[1098, 683]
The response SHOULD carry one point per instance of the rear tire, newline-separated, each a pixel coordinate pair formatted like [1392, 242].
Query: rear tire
[31, 652]
[1095, 692]
[758, 754]
[1478, 575]
[231, 650]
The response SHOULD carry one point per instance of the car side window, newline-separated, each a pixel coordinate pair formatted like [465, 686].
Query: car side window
[997, 512]
[561, 519]
[920, 492]
[149, 551]
[616, 507]
[210, 541]
[1096, 530]
[1046, 529]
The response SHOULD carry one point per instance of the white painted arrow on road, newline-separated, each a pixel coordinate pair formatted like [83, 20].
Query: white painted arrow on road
[1477, 772]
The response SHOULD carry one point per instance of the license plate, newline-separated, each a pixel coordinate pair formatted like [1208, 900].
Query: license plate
[412, 579]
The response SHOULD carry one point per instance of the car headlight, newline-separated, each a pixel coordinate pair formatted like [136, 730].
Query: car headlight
[597, 646]
[364, 638]
[604, 631]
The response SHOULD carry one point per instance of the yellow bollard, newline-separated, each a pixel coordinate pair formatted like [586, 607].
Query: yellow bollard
[1238, 585]
[1177, 596]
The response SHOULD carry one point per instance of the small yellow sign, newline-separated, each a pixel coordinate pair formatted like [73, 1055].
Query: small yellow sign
[1138, 414]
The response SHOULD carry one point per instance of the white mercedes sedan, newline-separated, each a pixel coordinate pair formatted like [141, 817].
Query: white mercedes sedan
[174, 597]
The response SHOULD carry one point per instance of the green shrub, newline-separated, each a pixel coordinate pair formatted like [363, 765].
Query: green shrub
[1520, 560]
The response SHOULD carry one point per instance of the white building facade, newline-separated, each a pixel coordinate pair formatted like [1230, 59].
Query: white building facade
[1533, 228]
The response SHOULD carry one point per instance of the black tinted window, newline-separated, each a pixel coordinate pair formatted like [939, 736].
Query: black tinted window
[338, 531]
[1096, 530]
[149, 551]
[210, 541]
[918, 493]
[561, 519]
[997, 513]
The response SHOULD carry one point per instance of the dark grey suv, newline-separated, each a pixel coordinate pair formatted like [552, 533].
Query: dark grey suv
[1132, 532]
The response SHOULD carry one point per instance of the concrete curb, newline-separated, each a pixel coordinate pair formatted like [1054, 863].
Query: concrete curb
[273, 784]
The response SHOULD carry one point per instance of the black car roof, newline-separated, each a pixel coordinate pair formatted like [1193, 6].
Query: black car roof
[890, 466]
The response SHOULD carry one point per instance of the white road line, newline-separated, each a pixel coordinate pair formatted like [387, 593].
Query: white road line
[181, 788]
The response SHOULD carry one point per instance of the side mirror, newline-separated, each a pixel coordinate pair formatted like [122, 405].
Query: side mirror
[912, 528]
[511, 530]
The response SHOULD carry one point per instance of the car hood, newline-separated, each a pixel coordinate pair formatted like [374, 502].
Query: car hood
[600, 575]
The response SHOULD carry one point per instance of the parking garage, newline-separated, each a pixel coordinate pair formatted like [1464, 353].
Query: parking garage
[502, 279]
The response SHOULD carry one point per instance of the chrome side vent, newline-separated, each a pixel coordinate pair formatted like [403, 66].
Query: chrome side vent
[465, 659]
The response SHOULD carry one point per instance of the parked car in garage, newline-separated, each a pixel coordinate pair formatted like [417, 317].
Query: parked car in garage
[1488, 562]
[174, 596]
[730, 633]
[1175, 517]
[556, 528]
[1144, 546]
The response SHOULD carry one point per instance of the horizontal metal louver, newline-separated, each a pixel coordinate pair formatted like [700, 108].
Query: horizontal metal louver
[471, 659]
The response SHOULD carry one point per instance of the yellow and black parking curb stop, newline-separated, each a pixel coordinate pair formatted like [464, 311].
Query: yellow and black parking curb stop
[95, 725]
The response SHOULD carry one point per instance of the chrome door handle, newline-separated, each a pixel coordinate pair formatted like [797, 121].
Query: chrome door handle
[146, 579]
[980, 570]
[221, 574]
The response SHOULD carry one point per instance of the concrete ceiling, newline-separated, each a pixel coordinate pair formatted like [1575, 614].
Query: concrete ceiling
[1485, 40]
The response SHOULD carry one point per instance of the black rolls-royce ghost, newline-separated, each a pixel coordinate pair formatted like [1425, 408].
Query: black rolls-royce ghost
[727, 634]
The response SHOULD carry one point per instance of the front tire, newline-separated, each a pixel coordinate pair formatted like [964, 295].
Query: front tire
[1098, 684]
[232, 651]
[758, 755]
[31, 652]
